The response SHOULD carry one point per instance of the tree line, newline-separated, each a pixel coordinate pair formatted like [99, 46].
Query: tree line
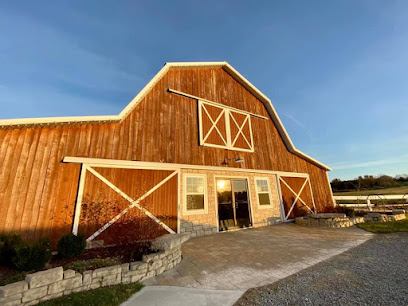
[367, 182]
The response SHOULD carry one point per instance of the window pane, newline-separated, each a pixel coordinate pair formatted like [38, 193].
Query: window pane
[195, 201]
[264, 199]
[262, 185]
[195, 185]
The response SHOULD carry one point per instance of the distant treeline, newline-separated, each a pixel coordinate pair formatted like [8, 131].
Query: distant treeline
[369, 182]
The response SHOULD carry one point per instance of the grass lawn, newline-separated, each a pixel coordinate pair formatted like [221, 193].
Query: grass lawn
[385, 227]
[112, 295]
[393, 190]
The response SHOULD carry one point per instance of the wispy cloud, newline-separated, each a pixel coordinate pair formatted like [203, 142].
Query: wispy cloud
[301, 125]
[374, 163]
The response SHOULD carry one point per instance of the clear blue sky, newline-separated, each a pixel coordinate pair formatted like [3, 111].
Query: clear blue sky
[336, 71]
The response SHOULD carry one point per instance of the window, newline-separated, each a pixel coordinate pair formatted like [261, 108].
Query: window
[222, 127]
[195, 191]
[263, 191]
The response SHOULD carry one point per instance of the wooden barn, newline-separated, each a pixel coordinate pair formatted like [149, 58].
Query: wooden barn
[198, 150]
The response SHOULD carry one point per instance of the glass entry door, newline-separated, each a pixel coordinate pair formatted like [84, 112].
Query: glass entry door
[233, 204]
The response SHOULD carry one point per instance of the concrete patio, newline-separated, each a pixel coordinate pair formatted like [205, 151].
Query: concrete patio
[255, 257]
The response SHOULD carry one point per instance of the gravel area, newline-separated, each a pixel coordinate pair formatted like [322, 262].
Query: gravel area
[374, 273]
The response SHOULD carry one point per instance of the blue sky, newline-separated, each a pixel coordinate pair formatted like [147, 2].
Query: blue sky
[336, 71]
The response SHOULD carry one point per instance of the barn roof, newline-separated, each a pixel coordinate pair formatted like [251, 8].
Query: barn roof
[80, 120]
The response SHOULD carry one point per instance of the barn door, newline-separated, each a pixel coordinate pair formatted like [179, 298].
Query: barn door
[241, 132]
[297, 198]
[125, 205]
[222, 127]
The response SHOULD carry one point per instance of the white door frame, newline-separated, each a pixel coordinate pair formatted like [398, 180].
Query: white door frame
[134, 203]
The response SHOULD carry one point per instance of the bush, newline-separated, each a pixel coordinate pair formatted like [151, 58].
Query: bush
[350, 212]
[71, 246]
[8, 245]
[29, 257]
[90, 264]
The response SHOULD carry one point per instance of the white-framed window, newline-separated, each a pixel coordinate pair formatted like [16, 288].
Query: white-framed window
[263, 192]
[221, 127]
[195, 190]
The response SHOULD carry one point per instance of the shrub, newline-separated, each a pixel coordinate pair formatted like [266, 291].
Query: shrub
[71, 245]
[8, 244]
[29, 257]
[84, 265]
[350, 212]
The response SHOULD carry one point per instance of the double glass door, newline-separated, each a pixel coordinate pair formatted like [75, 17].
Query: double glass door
[233, 204]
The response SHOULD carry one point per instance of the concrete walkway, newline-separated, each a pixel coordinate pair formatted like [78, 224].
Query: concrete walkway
[250, 258]
[178, 296]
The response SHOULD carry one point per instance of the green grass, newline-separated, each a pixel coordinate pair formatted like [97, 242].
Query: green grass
[393, 190]
[84, 265]
[112, 295]
[385, 227]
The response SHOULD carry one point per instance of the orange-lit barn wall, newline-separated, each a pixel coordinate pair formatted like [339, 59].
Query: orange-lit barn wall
[38, 191]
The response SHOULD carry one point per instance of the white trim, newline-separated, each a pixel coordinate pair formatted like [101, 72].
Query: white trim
[280, 197]
[216, 104]
[297, 197]
[203, 211]
[311, 194]
[226, 113]
[78, 204]
[331, 190]
[307, 180]
[214, 124]
[133, 203]
[120, 163]
[265, 178]
[178, 201]
[231, 177]
[109, 119]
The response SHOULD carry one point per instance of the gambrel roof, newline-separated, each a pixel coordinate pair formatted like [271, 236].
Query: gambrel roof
[79, 120]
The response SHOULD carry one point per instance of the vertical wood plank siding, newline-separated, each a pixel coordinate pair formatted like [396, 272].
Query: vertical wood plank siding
[38, 191]
[100, 204]
[288, 197]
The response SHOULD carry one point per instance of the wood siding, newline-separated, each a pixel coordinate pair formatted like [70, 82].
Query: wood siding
[288, 197]
[38, 191]
[100, 204]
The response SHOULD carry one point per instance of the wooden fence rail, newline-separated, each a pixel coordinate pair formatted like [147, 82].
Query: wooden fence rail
[379, 199]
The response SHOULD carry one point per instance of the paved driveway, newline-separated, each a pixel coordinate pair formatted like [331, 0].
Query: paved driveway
[255, 257]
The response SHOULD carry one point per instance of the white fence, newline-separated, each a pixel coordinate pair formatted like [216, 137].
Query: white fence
[380, 199]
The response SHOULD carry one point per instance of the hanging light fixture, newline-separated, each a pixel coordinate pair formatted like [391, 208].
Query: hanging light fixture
[239, 159]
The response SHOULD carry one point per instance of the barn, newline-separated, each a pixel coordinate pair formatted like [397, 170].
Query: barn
[199, 150]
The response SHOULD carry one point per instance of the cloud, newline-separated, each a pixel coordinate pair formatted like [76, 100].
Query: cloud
[301, 125]
[374, 163]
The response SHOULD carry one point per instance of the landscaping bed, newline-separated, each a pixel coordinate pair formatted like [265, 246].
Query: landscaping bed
[57, 282]
[88, 260]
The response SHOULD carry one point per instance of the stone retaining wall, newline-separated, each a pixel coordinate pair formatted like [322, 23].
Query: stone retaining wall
[53, 283]
[378, 217]
[335, 222]
[340, 220]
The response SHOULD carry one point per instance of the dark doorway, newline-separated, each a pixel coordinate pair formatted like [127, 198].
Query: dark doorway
[233, 204]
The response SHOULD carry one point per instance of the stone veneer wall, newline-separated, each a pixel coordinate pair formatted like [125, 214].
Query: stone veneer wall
[207, 223]
[53, 283]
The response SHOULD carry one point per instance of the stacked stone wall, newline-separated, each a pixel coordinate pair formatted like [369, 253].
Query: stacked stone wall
[55, 282]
